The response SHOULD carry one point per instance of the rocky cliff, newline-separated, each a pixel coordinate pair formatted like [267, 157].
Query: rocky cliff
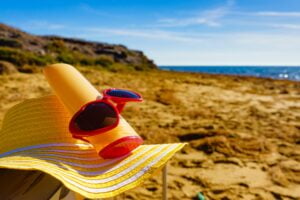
[21, 48]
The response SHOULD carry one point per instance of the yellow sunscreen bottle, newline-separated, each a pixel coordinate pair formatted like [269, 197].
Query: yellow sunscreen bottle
[75, 91]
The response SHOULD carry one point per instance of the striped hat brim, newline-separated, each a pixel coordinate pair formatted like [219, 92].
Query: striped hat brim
[35, 135]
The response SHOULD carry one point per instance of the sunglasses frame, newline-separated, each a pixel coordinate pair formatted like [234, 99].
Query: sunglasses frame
[120, 101]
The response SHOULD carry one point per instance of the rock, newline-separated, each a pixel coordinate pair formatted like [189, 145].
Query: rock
[278, 177]
[272, 158]
[7, 68]
[230, 160]
[291, 192]
[292, 165]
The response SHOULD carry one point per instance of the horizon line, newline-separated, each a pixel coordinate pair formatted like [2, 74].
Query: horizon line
[228, 65]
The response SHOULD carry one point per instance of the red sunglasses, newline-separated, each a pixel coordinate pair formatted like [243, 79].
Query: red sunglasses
[101, 115]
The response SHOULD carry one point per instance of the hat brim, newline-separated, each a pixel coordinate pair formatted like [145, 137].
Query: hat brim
[35, 135]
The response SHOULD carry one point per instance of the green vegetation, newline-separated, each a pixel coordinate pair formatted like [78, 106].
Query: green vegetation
[27, 52]
[56, 52]
[56, 46]
[10, 43]
[21, 57]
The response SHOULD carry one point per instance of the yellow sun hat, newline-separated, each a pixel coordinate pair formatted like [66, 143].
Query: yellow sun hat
[35, 136]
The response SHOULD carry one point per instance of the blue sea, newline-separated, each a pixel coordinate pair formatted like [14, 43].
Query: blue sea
[276, 72]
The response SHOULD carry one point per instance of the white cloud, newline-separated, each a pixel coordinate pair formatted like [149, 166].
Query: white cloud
[207, 17]
[286, 26]
[144, 33]
[234, 49]
[41, 24]
[278, 14]
[194, 48]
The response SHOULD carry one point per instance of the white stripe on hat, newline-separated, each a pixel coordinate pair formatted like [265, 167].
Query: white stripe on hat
[125, 182]
[44, 146]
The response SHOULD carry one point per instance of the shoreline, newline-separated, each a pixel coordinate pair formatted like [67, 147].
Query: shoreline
[210, 70]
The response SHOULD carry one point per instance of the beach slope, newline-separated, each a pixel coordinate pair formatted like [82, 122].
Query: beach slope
[243, 133]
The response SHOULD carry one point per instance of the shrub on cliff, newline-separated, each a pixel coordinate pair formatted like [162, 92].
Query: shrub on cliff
[21, 57]
[6, 42]
[7, 68]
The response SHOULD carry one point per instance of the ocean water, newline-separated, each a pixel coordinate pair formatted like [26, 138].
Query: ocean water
[276, 72]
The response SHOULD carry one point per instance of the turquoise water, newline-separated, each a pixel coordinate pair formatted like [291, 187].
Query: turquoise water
[276, 72]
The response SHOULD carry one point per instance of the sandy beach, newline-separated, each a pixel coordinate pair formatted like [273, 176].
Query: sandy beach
[243, 133]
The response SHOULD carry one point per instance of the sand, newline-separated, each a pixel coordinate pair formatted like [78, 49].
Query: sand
[243, 133]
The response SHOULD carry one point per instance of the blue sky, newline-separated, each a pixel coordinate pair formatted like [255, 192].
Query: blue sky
[173, 32]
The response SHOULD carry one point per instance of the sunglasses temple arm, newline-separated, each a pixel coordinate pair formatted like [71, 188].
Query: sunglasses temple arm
[120, 107]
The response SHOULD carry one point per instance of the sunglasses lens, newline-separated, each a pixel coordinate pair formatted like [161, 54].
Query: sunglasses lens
[123, 94]
[96, 116]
